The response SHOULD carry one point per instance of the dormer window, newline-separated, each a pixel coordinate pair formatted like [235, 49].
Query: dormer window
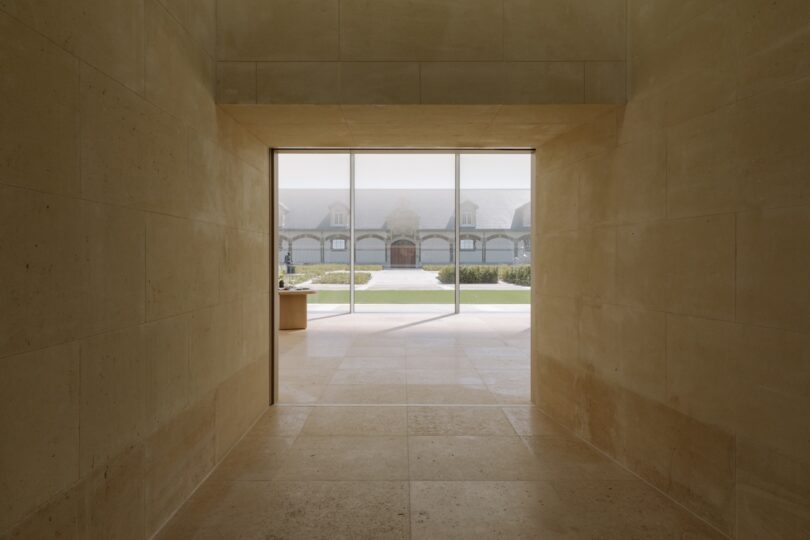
[338, 215]
[468, 213]
[339, 219]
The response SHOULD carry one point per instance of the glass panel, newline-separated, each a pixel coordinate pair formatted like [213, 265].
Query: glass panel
[313, 194]
[495, 271]
[405, 232]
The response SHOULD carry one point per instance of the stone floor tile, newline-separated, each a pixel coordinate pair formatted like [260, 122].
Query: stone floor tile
[346, 458]
[356, 420]
[471, 458]
[458, 421]
[294, 510]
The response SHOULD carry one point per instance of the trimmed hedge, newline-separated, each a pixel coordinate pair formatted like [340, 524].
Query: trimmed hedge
[470, 274]
[517, 275]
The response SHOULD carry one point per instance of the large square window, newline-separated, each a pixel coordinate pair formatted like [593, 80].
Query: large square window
[437, 228]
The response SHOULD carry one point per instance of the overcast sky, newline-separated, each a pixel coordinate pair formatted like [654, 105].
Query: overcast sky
[398, 171]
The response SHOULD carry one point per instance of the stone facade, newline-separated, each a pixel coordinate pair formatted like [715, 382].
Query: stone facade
[429, 247]
[405, 228]
[422, 52]
[134, 306]
[672, 300]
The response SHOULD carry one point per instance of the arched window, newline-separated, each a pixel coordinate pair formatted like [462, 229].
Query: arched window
[525, 245]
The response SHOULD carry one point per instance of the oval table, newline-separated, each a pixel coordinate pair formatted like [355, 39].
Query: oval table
[293, 308]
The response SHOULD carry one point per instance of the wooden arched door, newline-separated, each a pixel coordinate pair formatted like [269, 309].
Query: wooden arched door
[403, 254]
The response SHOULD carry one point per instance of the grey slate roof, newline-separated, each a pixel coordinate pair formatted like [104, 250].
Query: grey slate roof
[309, 209]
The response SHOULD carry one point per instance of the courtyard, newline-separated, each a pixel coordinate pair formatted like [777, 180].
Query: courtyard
[396, 286]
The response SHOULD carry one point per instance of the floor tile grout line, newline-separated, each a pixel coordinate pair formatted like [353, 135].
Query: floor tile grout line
[408, 460]
[374, 477]
[403, 351]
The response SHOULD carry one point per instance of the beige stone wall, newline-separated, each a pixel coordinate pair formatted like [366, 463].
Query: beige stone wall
[422, 51]
[673, 285]
[133, 266]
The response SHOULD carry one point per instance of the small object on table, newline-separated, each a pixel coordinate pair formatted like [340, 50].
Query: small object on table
[293, 308]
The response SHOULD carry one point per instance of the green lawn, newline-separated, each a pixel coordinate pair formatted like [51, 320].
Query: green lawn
[421, 297]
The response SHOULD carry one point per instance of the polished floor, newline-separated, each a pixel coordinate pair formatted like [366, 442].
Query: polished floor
[472, 359]
[418, 426]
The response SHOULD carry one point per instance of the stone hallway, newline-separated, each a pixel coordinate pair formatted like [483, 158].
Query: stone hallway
[417, 426]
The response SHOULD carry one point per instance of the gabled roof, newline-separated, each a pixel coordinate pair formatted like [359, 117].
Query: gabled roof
[496, 208]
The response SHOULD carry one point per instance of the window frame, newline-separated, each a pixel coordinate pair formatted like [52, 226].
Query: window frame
[342, 222]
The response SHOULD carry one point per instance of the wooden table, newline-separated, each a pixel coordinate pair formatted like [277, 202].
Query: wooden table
[293, 309]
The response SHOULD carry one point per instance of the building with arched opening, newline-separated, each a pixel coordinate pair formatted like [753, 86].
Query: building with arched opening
[405, 228]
